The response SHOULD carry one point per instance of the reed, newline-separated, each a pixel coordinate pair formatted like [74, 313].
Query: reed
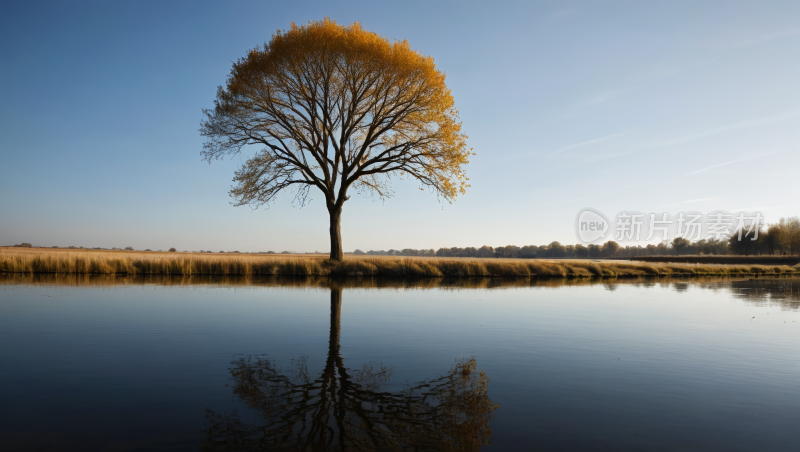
[38, 260]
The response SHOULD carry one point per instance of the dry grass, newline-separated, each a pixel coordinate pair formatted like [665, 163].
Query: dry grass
[42, 260]
[726, 260]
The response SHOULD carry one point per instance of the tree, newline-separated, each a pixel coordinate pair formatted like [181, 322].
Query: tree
[507, 251]
[680, 245]
[172, 250]
[609, 248]
[557, 250]
[336, 107]
[749, 242]
[485, 251]
[771, 240]
[792, 234]
[528, 252]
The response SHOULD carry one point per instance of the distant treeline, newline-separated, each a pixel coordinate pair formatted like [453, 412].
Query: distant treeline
[130, 248]
[782, 238]
[553, 250]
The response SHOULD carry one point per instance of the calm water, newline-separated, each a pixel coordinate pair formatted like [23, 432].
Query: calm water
[234, 364]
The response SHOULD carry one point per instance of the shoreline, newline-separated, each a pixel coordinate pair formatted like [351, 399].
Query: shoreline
[42, 261]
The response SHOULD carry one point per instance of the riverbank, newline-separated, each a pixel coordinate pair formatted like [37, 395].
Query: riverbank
[41, 260]
[729, 259]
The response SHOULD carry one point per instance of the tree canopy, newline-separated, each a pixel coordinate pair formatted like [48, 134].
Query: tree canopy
[335, 107]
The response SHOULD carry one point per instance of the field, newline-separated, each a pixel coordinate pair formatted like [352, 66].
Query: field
[63, 261]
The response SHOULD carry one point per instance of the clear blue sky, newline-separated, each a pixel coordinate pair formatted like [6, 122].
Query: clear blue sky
[614, 105]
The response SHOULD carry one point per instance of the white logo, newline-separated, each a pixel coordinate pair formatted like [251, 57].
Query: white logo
[591, 225]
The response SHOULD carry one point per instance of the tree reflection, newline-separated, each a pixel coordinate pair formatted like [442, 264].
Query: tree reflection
[784, 292]
[346, 409]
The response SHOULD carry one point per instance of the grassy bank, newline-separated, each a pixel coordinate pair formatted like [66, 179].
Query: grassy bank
[38, 260]
[727, 260]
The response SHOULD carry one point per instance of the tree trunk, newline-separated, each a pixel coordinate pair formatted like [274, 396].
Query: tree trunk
[336, 322]
[336, 234]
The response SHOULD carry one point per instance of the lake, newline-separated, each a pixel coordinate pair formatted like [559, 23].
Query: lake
[134, 363]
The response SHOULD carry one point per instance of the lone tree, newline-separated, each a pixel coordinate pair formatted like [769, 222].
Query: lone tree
[335, 107]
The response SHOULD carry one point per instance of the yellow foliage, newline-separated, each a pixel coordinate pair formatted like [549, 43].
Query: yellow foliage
[335, 107]
[312, 79]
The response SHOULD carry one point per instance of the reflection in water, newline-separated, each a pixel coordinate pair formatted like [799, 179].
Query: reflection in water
[680, 287]
[346, 409]
[761, 291]
[783, 291]
[778, 291]
[115, 281]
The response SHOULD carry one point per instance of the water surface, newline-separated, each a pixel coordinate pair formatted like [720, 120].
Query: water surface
[118, 363]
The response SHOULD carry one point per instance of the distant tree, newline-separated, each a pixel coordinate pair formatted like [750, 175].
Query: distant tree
[581, 251]
[609, 248]
[359, 252]
[749, 243]
[557, 249]
[172, 250]
[711, 246]
[336, 107]
[284, 252]
[24, 245]
[508, 251]
[792, 234]
[771, 240]
[485, 251]
[662, 249]
[594, 250]
[129, 248]
[680, 245]
[148, 249]
[528, 252]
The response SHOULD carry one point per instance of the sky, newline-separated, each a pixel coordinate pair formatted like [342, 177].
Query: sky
[614, 105]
